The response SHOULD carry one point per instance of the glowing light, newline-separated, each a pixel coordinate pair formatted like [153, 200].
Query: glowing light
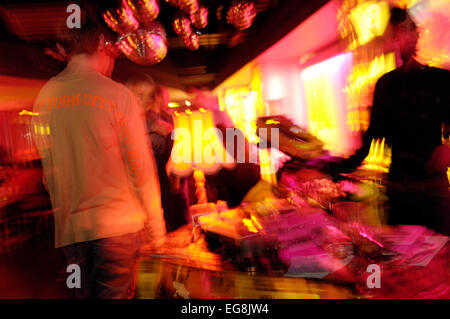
[256, 222]
[379, 157]
[267, 166]
[276, 89]
[42, 129]
[121, 20]
[187, 103]
[269, 122]
[360, 22]
[173, 104]
[200, 180]
[197, 145]
[405, 3]
[25, 112]
[323, 87]
[248, 223]
[245, 103]
[240, 106]
[433, 47]
[360, 87]
[370, 20]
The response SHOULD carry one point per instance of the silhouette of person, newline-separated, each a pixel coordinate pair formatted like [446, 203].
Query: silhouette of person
[410, 108]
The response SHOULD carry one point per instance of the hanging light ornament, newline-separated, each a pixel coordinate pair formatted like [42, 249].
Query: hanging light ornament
[192, 41]
[199, 18]
[145, 47]
[219, 12]
[181, 25]
[241, 14]
[121, 19]
[144, 10]
[188, 5]
[185, 5]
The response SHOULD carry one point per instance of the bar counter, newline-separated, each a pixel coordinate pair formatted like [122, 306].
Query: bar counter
[181, 268]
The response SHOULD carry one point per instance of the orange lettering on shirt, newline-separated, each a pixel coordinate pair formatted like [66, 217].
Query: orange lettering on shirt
[102, 102]
[66, 101]
[88, 99]
[51, 102]
[112, 106]
[60, 102]
[76, 99]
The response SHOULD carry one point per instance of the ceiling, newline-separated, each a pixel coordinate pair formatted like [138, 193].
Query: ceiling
[29, 28]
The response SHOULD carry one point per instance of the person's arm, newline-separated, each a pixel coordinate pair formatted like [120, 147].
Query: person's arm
[377, 125]
[140, 163]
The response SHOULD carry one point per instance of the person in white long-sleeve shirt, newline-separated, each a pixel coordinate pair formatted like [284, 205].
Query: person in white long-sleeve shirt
[98, 167]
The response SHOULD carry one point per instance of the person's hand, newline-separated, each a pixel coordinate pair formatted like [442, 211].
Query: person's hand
[155, 231]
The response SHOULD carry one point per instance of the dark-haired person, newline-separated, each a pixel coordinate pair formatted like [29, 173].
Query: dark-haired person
[411, 106]
[100, 172]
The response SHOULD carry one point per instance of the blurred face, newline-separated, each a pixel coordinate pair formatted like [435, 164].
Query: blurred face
[145, 94]
[405, 38]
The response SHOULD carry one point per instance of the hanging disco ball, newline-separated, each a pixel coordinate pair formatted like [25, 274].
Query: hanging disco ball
[144, 10]
[145, 46]
[192, 41]
[241, 14]
[121, 19]
[188, 5]
[219, 12]
[199, 18]
[181, 25]
[185, 5]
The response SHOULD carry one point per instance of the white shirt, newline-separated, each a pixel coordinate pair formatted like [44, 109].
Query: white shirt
[99, 170]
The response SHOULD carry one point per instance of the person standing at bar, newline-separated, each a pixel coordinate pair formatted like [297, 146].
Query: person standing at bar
[154, 100]
[100, 172]
[410, 109]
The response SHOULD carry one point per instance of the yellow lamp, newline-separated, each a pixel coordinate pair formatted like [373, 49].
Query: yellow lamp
[198, 149]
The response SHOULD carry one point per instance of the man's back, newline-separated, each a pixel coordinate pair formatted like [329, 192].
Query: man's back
[99, 171]
[409, 109]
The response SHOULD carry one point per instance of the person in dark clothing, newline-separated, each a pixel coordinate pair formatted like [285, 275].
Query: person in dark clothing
[154, 100]
[410, 108]
[174, 195]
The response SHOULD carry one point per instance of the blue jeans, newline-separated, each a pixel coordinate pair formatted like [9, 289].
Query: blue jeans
[108, 266]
